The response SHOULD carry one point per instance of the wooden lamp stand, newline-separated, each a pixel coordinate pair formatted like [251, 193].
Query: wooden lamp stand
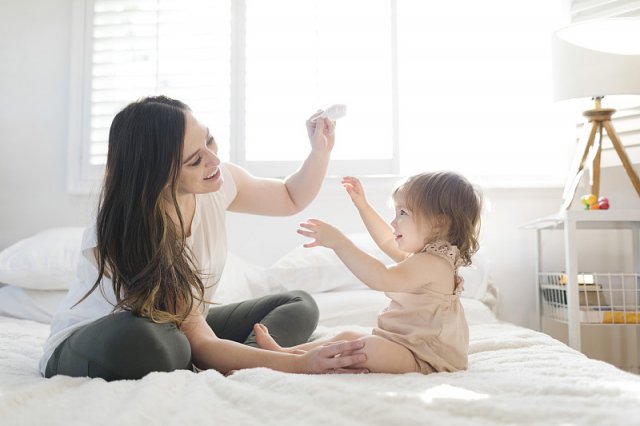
[599, 118]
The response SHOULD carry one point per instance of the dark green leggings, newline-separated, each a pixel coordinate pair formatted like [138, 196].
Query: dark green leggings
[124, 346]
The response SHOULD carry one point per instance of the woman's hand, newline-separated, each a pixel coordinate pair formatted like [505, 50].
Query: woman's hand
[332, 357]
[335, 357]
[355, 190]
[321, 132]
[323, 234]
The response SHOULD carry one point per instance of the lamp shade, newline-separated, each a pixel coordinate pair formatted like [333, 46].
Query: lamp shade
[596, 58]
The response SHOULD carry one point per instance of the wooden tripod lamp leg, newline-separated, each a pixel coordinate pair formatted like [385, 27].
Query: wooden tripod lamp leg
[576, 170]
[595, 184]
[628, 167]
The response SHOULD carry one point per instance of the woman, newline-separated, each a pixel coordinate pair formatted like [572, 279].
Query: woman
[151, 263]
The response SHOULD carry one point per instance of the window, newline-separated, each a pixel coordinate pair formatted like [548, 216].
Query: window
[133, 48]
[475, 90]
[238, 62]
[307, 54]
[428, 85]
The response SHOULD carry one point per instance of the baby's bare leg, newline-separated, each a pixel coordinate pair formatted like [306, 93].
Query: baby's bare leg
[345, 335]
[265, 341]
[385, 356]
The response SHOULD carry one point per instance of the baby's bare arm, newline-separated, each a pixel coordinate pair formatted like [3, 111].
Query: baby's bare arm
[377, 227]
[416, 271]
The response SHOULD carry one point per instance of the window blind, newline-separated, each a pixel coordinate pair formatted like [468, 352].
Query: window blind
[583, 10]
[179, 48]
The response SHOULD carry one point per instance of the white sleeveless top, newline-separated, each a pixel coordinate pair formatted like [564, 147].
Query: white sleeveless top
[208, 241]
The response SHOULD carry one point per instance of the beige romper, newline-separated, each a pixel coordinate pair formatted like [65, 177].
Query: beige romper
[430, 324]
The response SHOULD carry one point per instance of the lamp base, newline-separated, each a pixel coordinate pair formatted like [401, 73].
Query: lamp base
[600, 118]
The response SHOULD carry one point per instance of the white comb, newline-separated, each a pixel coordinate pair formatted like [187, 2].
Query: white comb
[335, 111]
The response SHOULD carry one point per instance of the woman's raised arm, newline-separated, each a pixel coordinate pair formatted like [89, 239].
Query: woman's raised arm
[284, 197]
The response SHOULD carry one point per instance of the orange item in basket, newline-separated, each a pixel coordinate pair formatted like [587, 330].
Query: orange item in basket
[620, 317]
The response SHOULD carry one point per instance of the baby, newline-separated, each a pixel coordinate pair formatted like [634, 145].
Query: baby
[434, 232]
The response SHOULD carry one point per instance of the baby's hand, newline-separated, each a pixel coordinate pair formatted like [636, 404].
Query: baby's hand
[323, 234]
[355, 190]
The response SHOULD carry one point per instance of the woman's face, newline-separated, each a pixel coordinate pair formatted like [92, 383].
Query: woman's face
[200, 172]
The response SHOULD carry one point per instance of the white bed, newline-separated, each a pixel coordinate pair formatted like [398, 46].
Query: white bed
[515, 376]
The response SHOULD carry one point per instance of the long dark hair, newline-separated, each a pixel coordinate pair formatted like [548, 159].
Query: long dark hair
[447, 195]
[139, 246]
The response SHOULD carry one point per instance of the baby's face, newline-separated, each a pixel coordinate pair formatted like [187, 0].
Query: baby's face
[410, 236]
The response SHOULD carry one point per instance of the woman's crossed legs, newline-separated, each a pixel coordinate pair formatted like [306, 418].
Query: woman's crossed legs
[124, 346]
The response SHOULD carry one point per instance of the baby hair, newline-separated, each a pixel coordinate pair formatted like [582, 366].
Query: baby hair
[449, 199]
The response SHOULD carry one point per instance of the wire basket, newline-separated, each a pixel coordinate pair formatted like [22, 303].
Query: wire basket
[605, 298]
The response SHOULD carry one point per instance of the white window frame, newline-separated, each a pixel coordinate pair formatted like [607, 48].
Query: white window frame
[83, 178]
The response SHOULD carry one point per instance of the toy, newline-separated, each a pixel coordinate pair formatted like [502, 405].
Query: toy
[591, 203]
[603, 203]
[588, 201]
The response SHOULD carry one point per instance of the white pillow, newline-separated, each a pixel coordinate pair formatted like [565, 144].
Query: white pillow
[476, 275]
[351, 307]
[240, 280]
[45, 261]
[49, 259]
[319, 269]
[35, 305]
[362, 307]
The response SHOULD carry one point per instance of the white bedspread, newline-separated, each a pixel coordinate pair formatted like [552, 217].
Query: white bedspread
[516, 376]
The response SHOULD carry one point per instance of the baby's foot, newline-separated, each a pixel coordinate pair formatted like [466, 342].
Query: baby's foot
[264, 339]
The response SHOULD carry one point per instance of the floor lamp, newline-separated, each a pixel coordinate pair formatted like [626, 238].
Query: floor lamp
[594, 60]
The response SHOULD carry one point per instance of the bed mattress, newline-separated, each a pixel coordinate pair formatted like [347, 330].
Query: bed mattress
[515, 376]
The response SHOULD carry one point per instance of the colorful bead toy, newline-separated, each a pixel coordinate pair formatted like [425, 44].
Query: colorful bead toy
[591, 203]
[603, 203]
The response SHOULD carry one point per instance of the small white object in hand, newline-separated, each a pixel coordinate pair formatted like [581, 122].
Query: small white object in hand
[335, 111]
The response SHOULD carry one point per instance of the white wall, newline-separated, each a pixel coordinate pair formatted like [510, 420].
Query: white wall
[34, 85]
[34, 98]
